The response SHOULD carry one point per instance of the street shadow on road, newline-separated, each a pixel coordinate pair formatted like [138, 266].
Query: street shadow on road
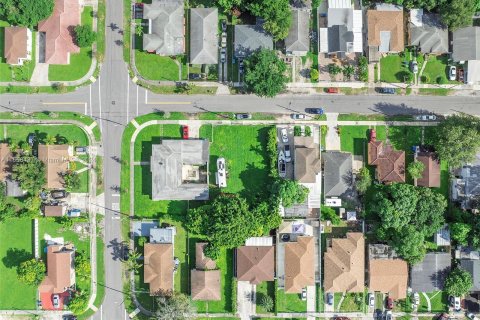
[116, 249]
[391, 109]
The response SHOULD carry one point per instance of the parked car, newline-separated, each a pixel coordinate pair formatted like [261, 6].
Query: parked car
[284, 134]
[297, 116]
[185, 132]
[426, 117]
[69, 317]
[241, 66]
[388, 315]
[224, 25]
[282, 168]
[241, 116]
[461, 75]
[373, 135]
[330, 299]
[452, 73]
[332, 90]
[378, 314]
[224, 39]
[314, 110]
[56, 301]
[58, 194]
[288, 156]
[195, 76]
[386, 90]
[371, 300]
[389, 303]
[304, 294]
[443, 316]
[223, 55]
[414, 66]
[455, 303]
[416, 298]
[31, 139]
[81, 150]
[471, 316]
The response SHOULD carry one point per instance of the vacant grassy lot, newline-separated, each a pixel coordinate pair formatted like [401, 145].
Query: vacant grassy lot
[290, 302]
[16, 246]
[64, 133]
[243, 148]
[154, 67]
[79, 62]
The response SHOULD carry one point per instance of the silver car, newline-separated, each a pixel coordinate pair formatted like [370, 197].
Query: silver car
[284, 135]
[452, 73]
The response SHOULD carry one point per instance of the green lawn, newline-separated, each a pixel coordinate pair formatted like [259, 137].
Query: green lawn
[438, 302]
[354, 139]
[5, 72]
[290, 302]
[154, 67]
[79, 62]
[16, 245]
[244, 149]
[152, 135]
[392, 68]
[436, 69]
[64, 133]
[353, 302]
[266, 288]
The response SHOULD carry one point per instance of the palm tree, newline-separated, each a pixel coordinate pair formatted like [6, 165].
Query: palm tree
[132, 262]
[50, 140]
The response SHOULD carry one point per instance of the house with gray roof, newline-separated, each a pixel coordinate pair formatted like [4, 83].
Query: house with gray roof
[430, 274]
[180, 170]
[428, 32]
[337, 173]
[165, 34]
[297, 42]
[467, 185]
[466, 44]
[204, 36]
[250, 38]
[344, 33]
[473, 267]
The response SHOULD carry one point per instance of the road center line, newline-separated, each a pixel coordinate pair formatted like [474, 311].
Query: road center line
[90, 99]
[137, 100]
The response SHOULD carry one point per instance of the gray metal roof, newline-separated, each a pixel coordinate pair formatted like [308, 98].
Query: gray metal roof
[473, 267]
[429, 275]
[442, 236]
[204, 36]
[385, 37]
[298, 39]
[338, 37]
[337, 171]
[13, 188]
[166, 34]
[162, 235]
[432, 36]
[466, 44]
[249, 38]
[169, 160]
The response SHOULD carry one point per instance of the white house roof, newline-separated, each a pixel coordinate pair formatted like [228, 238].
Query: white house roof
[473, 71]
[340, 3]
[416, 17]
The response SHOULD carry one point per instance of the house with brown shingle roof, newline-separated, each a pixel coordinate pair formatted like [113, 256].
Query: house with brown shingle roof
[56, 32]
[389, 276]
[60, 272]
[158, 267]
[205, 282]
[56, 159]
[18, 45]
[255, 264]
[54, 211]
[431, 174]
[299, 264]
[344, 264]
[390, 163]
[385, 33]
[5, 157]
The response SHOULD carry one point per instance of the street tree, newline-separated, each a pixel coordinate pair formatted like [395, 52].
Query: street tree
[132, 262]
[277, 15]
[174, 306]
[265, 73]
[363, 180]
[31, 272]
[290, 192]
[348, 71]
[457, 139]
[79, 302]
[458, 13]
[26, 13]
[82, 266]
[460, 232]
[29, 171]
[139, 30]
[314, 74]
[458, 283]
[415, 169]
[85, 36]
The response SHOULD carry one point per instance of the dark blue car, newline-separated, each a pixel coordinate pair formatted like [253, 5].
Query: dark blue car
[314, 110]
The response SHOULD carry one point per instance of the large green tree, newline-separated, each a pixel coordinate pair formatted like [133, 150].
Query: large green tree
[176, 306]
[411, 4]
[31, 272]
[84, 36]
[277, 15]
[415, 169]
[26, 12]
[409, 244]
[460, 232]
[457, 139]
[265, 73]
[290, 192]
[458, 13]
[228, 5]
[30, 172]
[458, 283]
[363, 180]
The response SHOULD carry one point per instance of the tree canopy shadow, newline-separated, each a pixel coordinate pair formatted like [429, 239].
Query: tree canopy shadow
[15, 256]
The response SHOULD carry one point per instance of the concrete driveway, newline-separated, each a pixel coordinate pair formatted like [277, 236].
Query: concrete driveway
[246, 297]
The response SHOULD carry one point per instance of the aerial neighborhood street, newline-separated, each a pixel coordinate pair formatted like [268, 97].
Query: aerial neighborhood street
[239, 159]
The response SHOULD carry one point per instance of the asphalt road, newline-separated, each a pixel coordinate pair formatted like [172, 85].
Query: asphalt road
[114, 100]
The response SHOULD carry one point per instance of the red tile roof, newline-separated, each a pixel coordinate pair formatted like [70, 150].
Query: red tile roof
[390, 163]
[59, 42]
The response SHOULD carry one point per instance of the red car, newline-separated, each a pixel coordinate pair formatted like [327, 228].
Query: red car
[389, 303]
[373, 135]
[185, 132]
[332, 90]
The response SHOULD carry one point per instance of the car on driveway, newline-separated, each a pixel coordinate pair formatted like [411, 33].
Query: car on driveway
[371, 300]
[452, 73]
[385, 90]
[58, 194]
[416, 298]
[297, 116]
[426, 117]
[378, 314]
[223, 55]
[195, 76]
[414, 66]
[455, 303]
[224, 25]
[282, 168]
[284, 134]
[314, 110]
[288, 156]
[242, 116]
[224, 40]
[330, 299]
[388, 315]
[471, 316]
[389, 303]
[56, 301]
[304, 294]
